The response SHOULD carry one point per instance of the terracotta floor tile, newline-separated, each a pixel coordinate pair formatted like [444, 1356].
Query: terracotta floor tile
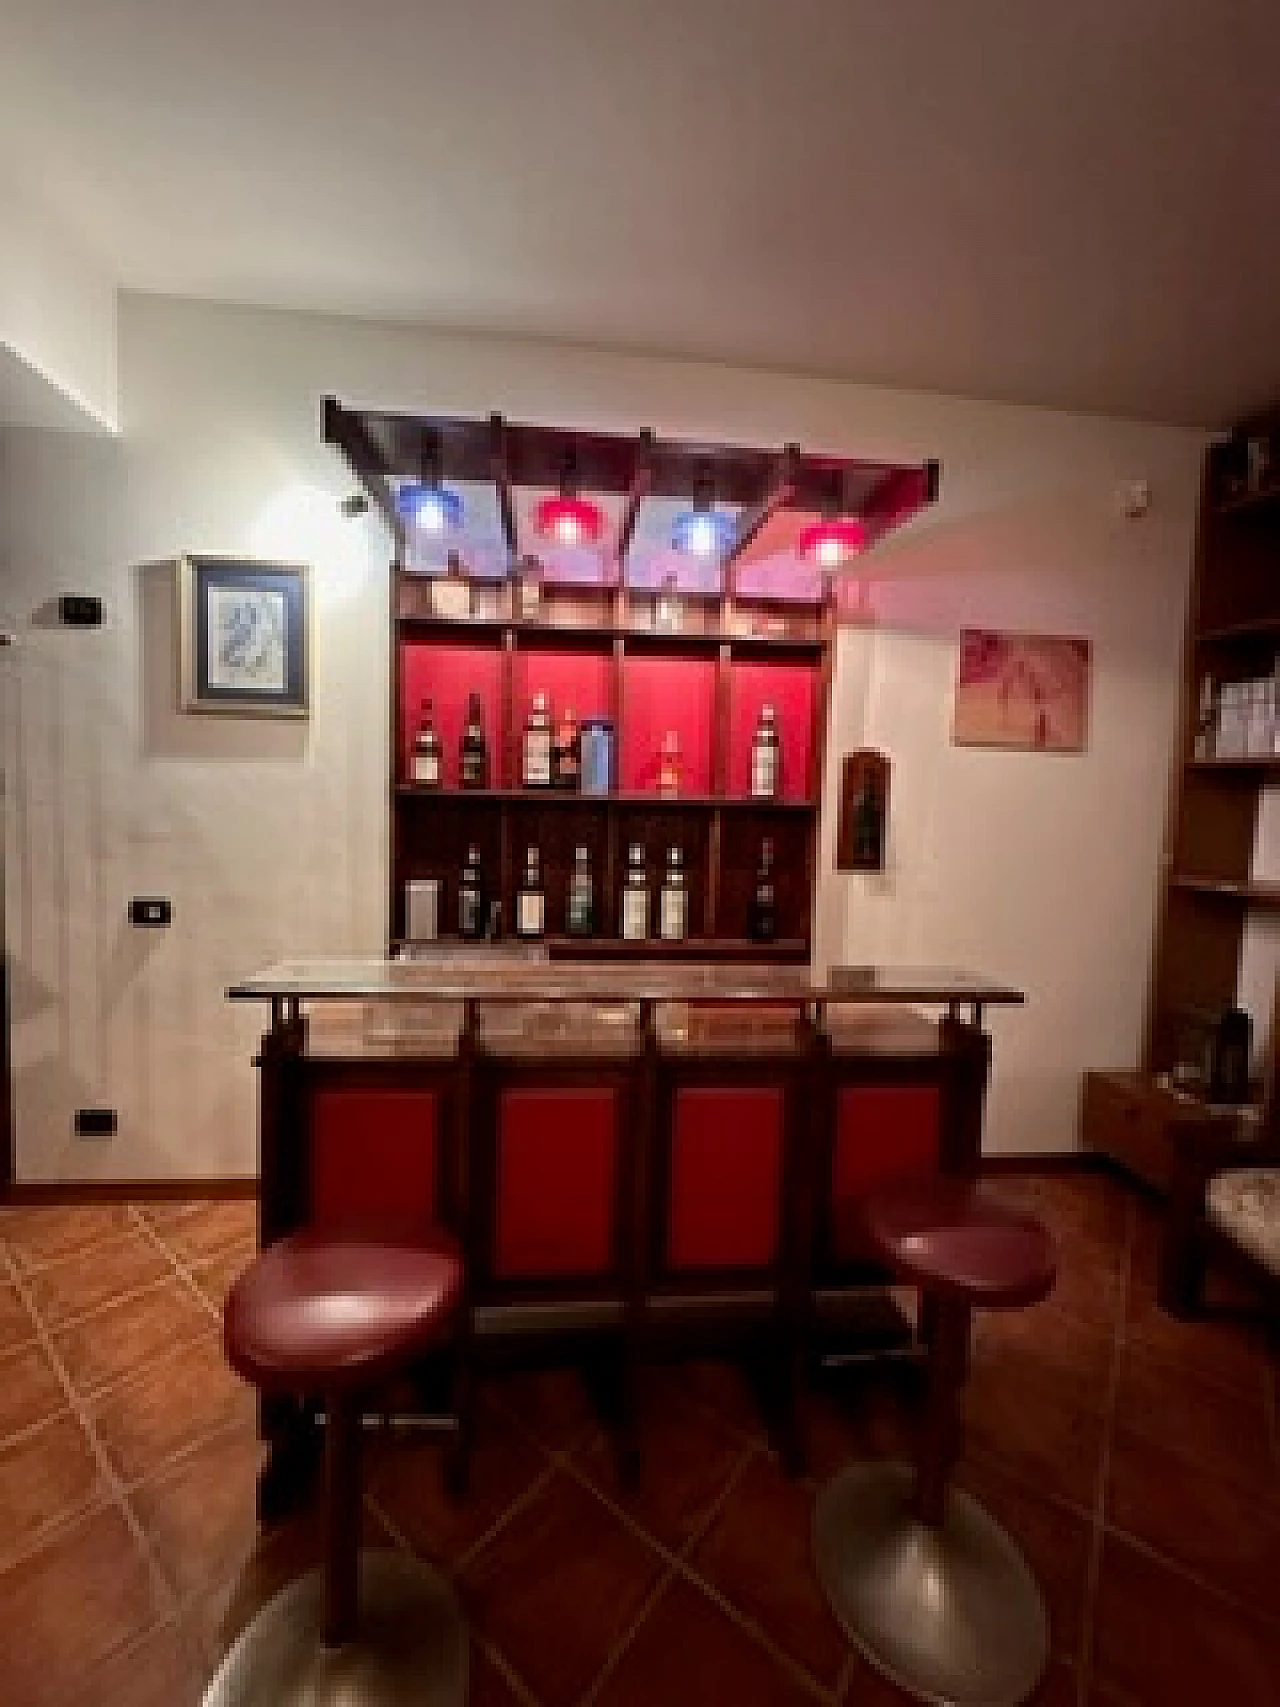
[867, 1688]
[1075, 1351]
[404, 1478]
[195, 1232]
[486, 1684]
[724, 1388]
[123, 1337]
[688, 1653]
[74, 1285]
[37, 1236]
[1219, 1528]
[65, 1608]
[16, 1325]
[215, 1277]
[1083, 1206]
[1214, 1350]
[1055, 1542]
[1031, 1427]
[758, 1553]
[172, 1402]
[1161, 1640]
[1208, 1425]
[552, 1405]
[558, 1587]
[162, 1670]
[1090, 1283]
[45, 1475]
[30, 1391]
[687, 1455]
[200, 1515]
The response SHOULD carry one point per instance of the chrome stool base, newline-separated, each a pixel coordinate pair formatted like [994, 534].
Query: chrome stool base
[411, 1647]
[952, 1615]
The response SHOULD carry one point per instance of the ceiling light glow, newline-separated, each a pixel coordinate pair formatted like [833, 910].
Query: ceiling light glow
[702, 533]
[569, 521]
[431, 508]
[832, 542]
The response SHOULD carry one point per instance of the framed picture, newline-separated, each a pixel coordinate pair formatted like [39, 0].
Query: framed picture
[245, 636]
[1028, 691]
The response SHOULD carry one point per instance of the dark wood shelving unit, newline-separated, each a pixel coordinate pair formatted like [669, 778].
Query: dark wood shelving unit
[596, 644]
[1210, 891]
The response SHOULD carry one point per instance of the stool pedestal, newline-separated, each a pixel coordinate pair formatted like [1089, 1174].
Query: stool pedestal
[411, 1646]
[950, 1613]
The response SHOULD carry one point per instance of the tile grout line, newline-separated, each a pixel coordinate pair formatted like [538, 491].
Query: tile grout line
[115, 1487]
[181, 1268]
[673, 1558]
[1084, 1676]
[503, 1666]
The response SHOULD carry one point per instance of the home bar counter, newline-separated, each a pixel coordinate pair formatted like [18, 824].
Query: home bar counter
[636, 1158]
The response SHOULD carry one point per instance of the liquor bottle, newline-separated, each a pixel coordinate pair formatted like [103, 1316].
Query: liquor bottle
[668, 614]
[868, 829]
[566, 755]
[580, 911]
[473, 766]
[673, 900]
[427, 766]
[471, 918]
[669, 766]
[531, 900]
[762, 925]
[536, 769]
[635, 897]
[766, 756]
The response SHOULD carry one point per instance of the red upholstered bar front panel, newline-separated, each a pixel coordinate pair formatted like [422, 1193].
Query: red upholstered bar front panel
[883, 1132]
[373, 1159]
[726, 1178]
[557, 1168]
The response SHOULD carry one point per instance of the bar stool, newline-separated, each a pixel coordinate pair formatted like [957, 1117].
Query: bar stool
[926, 1584]
[338, 1315]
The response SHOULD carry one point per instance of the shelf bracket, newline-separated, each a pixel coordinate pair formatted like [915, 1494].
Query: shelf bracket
[348, 433]
[781, 491]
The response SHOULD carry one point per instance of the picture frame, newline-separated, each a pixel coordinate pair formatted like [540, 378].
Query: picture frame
[1026, 692]
[245, 636]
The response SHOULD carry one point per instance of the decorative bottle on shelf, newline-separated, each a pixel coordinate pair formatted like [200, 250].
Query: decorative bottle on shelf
[635, 897]
[673, 900]
[669, 765]
[531, 900]
[566, 757]
[427, 765]
[762, 925]
[536, 769]
[473, 765]
[766, 757]
[579, 912]
[471, 914]
[868, 828]
[668, 611]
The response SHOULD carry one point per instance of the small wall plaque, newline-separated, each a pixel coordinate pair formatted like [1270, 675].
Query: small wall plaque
[864, 811]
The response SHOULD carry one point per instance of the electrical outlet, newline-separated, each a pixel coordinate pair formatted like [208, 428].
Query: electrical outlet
[80, 610]
[96, 1123]
[151, 911]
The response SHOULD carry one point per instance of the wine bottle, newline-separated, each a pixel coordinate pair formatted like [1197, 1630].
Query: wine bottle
[635, 897]
[471, 915]
[531, 900]
[579, 914]
[762, 926]
[473, 765]
[567, 753]
[536, 770]
[669, 766]
[673, 900]
[427, 767]
[766, 756]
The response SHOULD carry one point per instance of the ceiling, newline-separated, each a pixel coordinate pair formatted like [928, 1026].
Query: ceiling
[1076, 205]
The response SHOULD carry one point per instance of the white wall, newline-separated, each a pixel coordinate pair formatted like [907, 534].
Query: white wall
[57, 313]
[272, 839]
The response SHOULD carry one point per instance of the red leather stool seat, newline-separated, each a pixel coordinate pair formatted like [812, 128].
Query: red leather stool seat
[326, 1312]
[944, 1235]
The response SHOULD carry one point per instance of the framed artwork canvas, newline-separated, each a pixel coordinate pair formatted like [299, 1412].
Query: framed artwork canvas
[1028, 691]
[245, 636]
